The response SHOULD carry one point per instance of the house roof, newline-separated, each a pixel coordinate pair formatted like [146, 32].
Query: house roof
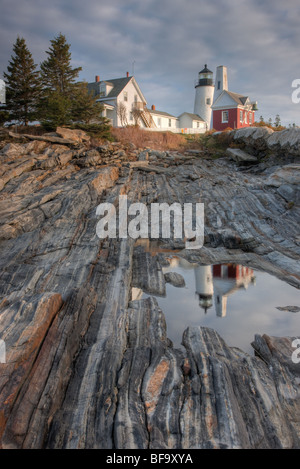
[118, 85]
[238, 98]
[161, 113]
[94, 87]
[195, 117]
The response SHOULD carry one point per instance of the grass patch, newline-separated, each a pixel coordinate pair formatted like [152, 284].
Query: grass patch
[213, 143]
[149, 139]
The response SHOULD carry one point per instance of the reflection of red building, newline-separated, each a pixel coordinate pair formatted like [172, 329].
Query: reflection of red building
[229, 278]
[220, 281]
[231, 271]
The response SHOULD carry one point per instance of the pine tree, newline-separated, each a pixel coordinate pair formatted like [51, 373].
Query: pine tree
[58, 79]
[85, 108]
[22, 84]
[277, 121]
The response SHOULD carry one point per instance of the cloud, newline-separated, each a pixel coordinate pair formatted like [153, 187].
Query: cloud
[167, 42]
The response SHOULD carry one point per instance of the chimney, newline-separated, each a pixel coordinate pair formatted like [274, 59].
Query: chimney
[221, 82]
[97, 78]
[127, 74]
[153, 107]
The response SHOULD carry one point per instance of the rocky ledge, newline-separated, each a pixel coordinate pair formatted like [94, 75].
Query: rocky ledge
[88, 365]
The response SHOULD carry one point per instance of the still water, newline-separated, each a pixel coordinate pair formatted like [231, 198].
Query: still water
[236, 301]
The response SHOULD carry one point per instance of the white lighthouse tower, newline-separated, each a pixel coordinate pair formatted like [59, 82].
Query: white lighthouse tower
[204, 95]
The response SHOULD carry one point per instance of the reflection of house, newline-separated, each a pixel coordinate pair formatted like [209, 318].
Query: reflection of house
[220, 281]
[229, 278]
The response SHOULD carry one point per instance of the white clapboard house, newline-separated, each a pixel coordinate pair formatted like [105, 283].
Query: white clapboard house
[124, 104]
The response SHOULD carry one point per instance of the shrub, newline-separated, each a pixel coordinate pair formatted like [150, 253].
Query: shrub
[262, 123]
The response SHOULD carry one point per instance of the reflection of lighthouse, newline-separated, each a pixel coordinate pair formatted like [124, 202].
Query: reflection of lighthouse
[229, 278]
[204, 286]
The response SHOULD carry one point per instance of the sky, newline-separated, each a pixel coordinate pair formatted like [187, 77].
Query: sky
[165, 43]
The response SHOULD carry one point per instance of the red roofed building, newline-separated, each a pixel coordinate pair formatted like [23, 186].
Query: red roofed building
[230, 109]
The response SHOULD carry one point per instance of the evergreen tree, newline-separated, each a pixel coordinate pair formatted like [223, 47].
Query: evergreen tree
[277, 121]
[85, 108]
[22, 84]
[58, 80]
[4, 116]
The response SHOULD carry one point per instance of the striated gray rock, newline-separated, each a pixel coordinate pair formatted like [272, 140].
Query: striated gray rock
[255, 137]
[290, 193]
[226, 395]
[283, 142]
[240, 156]
[288, 174]
[77, 135]
[143, 156]
[88, 366]
[174, 279]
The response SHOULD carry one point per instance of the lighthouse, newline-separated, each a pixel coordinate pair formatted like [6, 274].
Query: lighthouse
[204, 286]
[204, 95]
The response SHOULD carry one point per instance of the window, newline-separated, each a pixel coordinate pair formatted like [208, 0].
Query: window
[219, 85]
[224, 116]
[159, 122]
[241, 116]
[170, 123]
[208, 101]
[197, 125]
[125, 96]
[102, 90]
[250, 117]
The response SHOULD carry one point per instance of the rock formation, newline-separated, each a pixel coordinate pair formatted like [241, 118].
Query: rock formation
[86, 365]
